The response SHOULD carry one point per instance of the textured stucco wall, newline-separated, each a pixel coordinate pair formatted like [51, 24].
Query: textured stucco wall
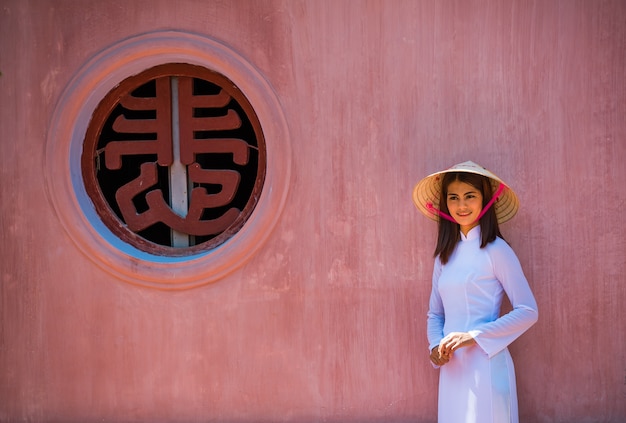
[327, 321]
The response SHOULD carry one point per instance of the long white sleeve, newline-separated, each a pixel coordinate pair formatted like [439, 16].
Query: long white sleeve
[436, 314]
[494, 336]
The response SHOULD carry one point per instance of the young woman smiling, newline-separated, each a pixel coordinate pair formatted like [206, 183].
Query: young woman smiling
[474, 267]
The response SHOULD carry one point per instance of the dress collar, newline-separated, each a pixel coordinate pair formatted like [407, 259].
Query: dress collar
[474, 233]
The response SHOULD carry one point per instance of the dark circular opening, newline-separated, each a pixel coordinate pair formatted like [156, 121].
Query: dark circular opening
[174, 136]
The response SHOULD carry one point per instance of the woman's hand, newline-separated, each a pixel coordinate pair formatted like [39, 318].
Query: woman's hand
[452, 342]
[437, 359]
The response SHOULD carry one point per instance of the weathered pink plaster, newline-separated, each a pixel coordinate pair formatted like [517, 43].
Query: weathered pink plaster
[323, 317]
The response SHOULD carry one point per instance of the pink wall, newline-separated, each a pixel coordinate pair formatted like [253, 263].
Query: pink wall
[326, 321]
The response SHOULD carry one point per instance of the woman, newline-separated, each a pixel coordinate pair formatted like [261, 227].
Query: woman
[474, 268]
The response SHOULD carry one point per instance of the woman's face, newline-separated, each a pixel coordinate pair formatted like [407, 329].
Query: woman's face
[464, 203]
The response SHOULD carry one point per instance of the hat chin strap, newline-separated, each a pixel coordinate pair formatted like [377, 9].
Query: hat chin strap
[493, 200]
[431, 208]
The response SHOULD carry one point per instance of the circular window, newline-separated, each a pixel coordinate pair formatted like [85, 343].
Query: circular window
[174, 159]
[168, 160]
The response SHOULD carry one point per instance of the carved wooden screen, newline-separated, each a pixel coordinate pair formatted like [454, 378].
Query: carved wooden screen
[174, 160]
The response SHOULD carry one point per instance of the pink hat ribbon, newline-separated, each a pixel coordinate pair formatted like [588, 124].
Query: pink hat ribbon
[431, 208]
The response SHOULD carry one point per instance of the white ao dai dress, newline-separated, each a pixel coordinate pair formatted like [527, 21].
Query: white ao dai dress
[477, 385]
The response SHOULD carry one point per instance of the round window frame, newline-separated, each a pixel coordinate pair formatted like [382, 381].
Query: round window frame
[103, 112]
[64, 147]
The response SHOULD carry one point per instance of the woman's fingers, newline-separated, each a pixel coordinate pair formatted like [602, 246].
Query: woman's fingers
[439, 361]
[453, 341]
[437, 358]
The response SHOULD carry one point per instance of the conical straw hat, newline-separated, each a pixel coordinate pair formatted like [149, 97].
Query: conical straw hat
[427, 191]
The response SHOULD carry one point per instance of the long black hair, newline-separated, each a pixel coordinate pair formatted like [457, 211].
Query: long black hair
[449, 232]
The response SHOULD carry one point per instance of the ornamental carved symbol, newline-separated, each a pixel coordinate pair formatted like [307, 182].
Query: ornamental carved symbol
[174, 158]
